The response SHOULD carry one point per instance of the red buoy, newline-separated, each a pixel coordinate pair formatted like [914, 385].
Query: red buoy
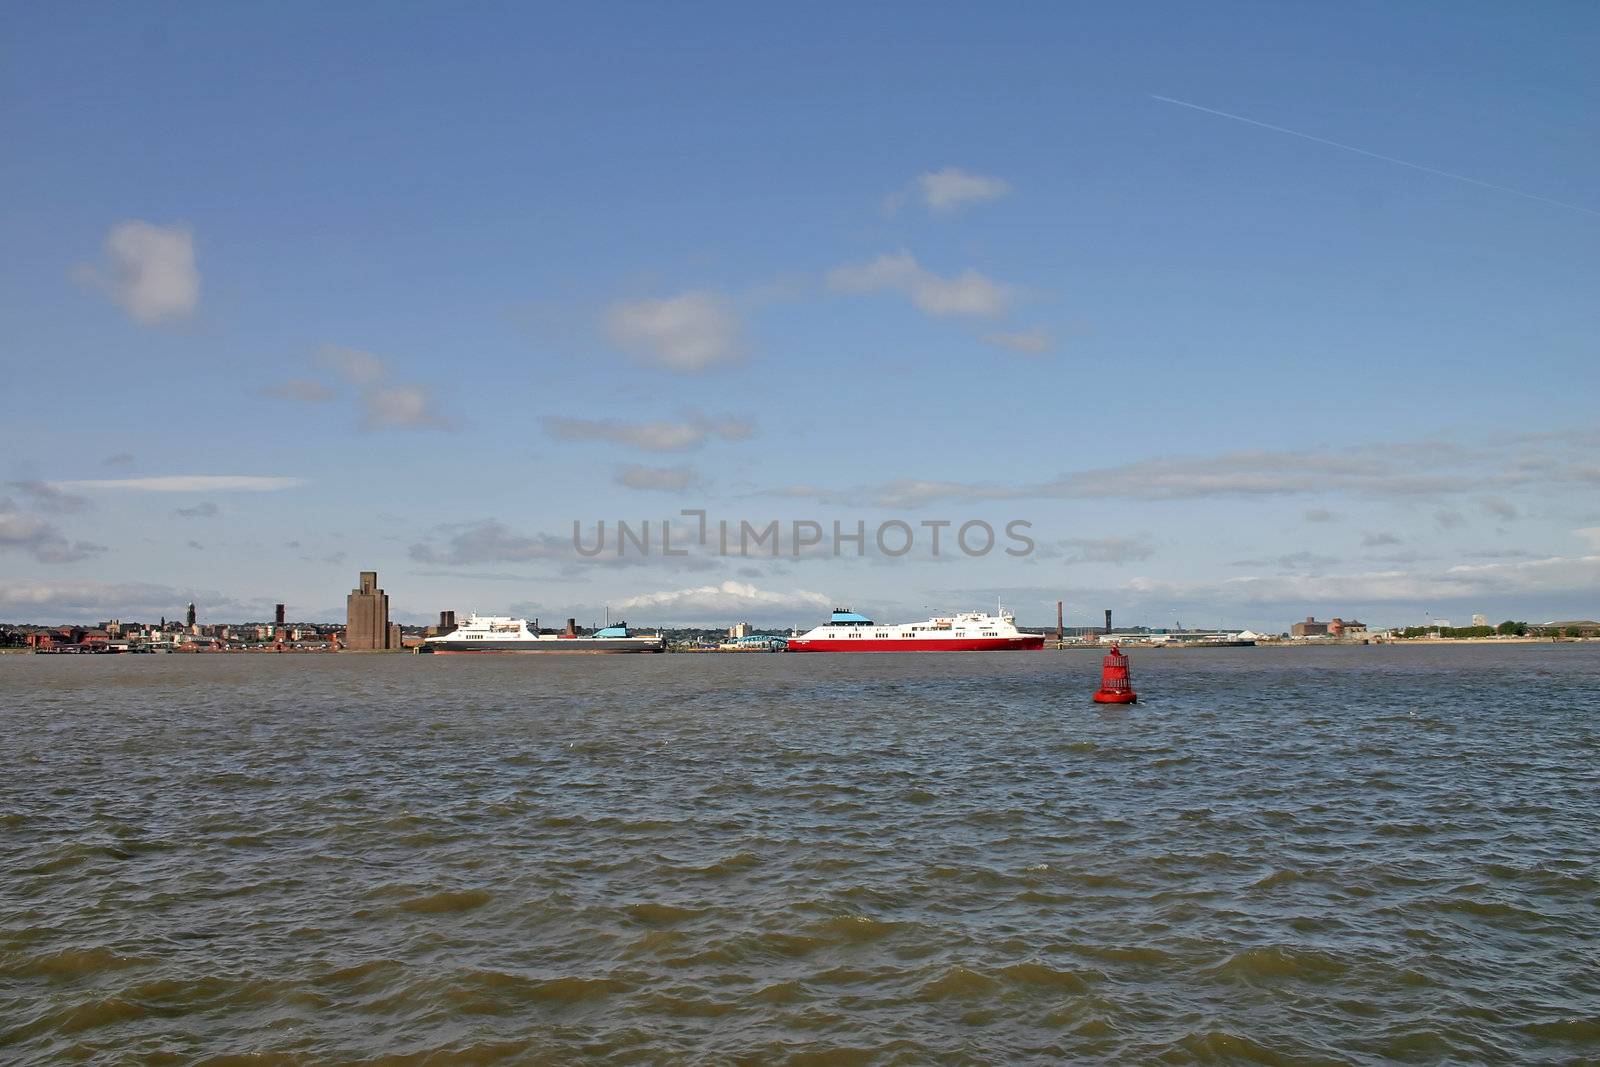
[1115, 685]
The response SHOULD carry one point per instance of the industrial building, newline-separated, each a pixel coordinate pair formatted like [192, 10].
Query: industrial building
[1335, 627]
[367, 625]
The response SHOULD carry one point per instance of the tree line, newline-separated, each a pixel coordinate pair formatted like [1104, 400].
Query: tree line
[1505, 629]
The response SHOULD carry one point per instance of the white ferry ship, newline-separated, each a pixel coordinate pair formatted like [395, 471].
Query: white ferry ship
[969, 631]
[499, 633]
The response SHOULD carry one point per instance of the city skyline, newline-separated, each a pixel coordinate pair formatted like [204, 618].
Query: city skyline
[1248, 316]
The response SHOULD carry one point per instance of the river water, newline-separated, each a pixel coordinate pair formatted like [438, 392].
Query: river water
[1339, 855]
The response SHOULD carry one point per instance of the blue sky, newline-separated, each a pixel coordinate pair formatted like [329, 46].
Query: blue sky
[429, 286]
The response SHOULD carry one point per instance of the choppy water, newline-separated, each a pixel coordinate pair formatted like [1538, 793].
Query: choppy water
[1323, 856]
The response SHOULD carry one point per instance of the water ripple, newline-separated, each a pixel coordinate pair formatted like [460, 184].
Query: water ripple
[1311, 856]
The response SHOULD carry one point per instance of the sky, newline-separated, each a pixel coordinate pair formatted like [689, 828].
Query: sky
[1245, 311]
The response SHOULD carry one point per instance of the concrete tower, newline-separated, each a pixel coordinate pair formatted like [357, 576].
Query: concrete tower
[367, 625]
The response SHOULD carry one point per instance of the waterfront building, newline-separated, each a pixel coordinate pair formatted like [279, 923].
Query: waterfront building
[367, 625]
[1335, 627]
[1585, 628]
[753, 642]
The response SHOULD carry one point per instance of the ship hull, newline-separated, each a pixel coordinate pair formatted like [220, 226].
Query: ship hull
[573, 647]
[1028, 643]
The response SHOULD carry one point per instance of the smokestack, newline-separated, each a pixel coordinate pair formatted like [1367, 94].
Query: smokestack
[1061, 632]
[572, 627]
[1108, 620]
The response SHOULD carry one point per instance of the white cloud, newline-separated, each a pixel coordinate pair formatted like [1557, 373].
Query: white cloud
[728, 601]
[1500, 509]
[203, 510]
[354, 365]
[659, 436]
[149, 271]
[1034, 342]
[690, 332]
[40, 539]
[727, 427]
[307, 392]
[952, 188]
[664, 479]
[190, 483]
[36, 536]
[651, 436]
[1097, 550]
[947, 191]
[1539, 577]
[900, 493]
[1427, 469]
[385, 404]
[88, 601]
[48, 497]
[491, 542]
[400, 407]
[1590, 534]
[1294, 561]
[1504, 553]
[968, 293]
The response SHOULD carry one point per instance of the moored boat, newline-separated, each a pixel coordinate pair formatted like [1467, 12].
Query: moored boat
[967, 631]
[499, 633]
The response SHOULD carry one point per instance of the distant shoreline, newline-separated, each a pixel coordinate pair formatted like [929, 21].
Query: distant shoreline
[1407, 641]
[1143, 646]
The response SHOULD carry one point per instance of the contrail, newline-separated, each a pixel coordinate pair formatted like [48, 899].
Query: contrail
[1375, 155]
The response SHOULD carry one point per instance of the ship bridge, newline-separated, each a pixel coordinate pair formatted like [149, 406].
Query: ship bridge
[846, 617]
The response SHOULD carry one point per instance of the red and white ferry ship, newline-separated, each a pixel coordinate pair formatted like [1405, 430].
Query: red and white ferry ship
[970, 631]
